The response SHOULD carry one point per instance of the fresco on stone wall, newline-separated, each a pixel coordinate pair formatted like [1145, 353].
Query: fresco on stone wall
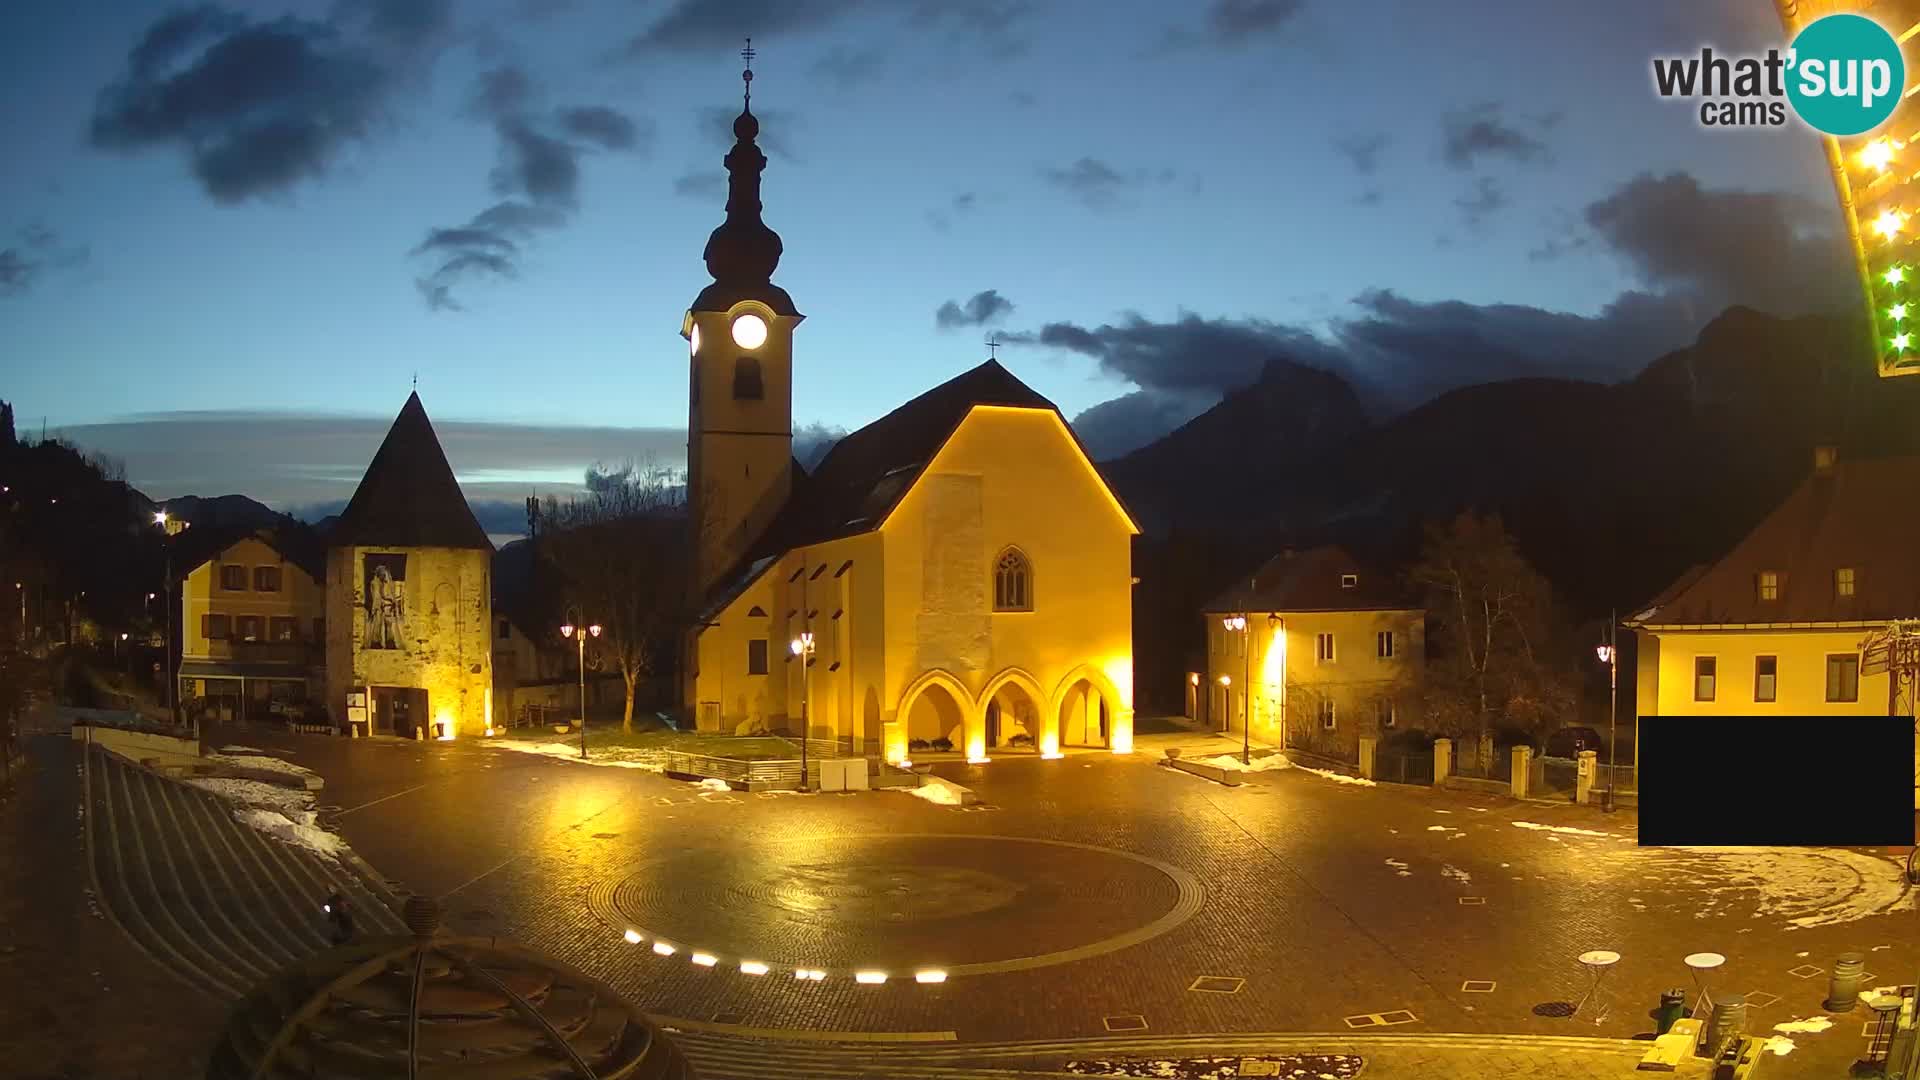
[386, 602]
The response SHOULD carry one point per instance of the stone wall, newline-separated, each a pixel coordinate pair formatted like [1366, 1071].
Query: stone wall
[433, 633]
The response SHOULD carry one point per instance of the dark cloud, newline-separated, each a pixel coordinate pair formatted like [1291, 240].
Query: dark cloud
[1362, 151]
[1773, 251]
[36, 251]
[979, 310]
[715, 124]
[1098, 184]
[258, 108]
[537, 177]
[1369, 197]
[1481, 201]
[960, 205]
[847, 67]
[1479, 132]
[705, 24]
[405, 24]
[701, 185]
[1230, 24]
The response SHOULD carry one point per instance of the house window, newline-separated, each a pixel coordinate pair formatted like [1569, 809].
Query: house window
[1843, 581]
[1323, 648]
[1769, 585]
[283, 628]
[746, 379]
[233, 578]
[1704, 669]
[1383, 644]
[247, 628]
[1348, 581]
[1843, 677]
[505, 630]
[1766, 677]
[1387, 711]
[1329, 718]
[266, 579]
[215, 627]
[757, 656]
[1012, 582]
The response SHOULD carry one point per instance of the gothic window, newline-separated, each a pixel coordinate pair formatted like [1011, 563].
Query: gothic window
[1012, 582]
[746, 379]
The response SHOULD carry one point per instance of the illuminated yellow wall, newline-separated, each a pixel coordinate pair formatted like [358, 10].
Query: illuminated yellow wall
[447, 647]
[299, 598]
[1665, 678]
[1288, 679]
[917, 635]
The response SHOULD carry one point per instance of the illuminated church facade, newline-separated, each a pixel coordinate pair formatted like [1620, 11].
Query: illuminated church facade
[956, 574]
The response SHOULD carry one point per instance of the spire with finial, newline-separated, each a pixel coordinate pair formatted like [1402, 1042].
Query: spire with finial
[742, 253]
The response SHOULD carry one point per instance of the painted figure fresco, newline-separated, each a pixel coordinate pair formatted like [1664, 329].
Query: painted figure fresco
[386, 606]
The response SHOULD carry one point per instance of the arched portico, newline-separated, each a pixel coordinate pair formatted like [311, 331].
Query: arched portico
[934, 706]
[1015, 697]
[1089, 710]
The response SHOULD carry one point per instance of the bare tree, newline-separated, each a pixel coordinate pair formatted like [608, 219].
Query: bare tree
[1494, 617]
[622, 557]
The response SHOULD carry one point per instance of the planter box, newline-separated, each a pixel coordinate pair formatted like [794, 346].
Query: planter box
[1214, 773]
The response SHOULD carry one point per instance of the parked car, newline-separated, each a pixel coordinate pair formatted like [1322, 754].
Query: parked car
[1568, 742]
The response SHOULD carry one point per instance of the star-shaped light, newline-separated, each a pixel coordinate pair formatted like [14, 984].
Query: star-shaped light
[1878, 155]
[1897, 312]
[1888, 223]
[1895, 275]
[1900, 342]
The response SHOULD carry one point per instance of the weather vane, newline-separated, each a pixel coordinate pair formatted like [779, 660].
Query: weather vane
[993, 346]
[747, 54]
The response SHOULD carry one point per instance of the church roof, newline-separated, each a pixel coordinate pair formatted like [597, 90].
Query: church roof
[1859, 516]
[409, 498]
[866, 473]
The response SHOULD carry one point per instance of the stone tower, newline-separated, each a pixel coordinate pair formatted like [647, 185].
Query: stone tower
[739, 333]
[409, 601]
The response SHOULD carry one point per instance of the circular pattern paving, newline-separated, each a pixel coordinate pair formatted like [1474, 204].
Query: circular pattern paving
[968, 905]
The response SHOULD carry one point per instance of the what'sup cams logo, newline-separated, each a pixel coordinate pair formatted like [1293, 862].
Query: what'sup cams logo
[1842, 75]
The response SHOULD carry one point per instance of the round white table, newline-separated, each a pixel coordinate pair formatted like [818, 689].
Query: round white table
[1701, 964]
[1597, 963]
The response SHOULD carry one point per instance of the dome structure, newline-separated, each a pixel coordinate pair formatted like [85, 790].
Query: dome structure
[447, 1007]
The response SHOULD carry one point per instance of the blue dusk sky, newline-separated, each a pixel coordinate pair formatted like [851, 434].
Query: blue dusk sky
[232, 235]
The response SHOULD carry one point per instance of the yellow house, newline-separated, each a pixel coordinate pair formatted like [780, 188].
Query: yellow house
[252, 626]
[1782, 624]
[957, 570]
[1318, 647]
[409, 596]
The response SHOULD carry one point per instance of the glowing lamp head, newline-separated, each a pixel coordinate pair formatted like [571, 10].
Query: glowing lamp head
[1888, 223]
[749, 331]
[566, 630]
[1604, 652]
[1226, 680]
[160, 518]
[1194, 678]
[1877, 155]
[594, 629]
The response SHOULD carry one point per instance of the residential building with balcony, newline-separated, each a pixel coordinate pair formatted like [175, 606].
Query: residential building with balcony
[252, 626]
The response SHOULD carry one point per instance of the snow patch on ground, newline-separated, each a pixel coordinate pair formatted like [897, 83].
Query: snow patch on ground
[1778, 1045]
[1564, 830]
[286, 800]
[267, 764]
[1439, 828]
[1451, 871]
[1232, 763]
[1813, 1025]
[300, 834]
[1801, 887]
[241, 750]
[1400, 868]
[1338, 778]
[711, 784]
[937, 791]
[613, 757]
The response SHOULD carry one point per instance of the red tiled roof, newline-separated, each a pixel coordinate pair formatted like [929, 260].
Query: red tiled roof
[1863, 516]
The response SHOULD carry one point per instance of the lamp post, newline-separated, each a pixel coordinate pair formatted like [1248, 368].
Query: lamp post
[1610, 656]
[1232, 623]
[803, 648]
[166, 648]
[580, 634]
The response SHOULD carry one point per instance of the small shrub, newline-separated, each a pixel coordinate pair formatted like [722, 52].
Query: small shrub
[917, 744]
[942, 744]
[1022, 739]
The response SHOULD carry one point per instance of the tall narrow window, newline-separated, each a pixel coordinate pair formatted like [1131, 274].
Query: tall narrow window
[757, 656]
[1323, 648]
[746, 379]
[1705, 668]
[1843, 677]
[233, 578]
[215, 627]
[1766, 678]
[1843, 581]
[1384, 644]
[1329, 716]
[1012, 582]
[1769, 585]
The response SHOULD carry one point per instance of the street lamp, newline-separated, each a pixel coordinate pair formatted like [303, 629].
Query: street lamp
[166, 650]
[1611, 657]
[1238, 623]
[580, 634]
[803, 648]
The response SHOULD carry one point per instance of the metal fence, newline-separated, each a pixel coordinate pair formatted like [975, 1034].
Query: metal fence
[1466, 762]
[767, 773]
[1409, 766]
[1552, 777]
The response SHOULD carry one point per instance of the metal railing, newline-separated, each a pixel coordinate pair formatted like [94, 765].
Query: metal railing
[779, 773]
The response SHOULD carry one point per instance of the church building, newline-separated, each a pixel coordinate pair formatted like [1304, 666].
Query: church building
[408, 598]
[956, 574]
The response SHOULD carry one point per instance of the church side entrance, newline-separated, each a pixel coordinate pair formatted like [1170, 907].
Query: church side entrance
[398, 710]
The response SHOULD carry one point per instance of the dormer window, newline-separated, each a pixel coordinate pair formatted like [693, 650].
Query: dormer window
[1349, 581]
[1843, 582]
[1769, 585]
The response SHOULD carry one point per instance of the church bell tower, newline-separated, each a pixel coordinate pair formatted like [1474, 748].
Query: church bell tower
[739, 335]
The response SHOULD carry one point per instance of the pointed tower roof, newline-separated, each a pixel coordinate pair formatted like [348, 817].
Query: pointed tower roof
[742, 253]
[409, 498]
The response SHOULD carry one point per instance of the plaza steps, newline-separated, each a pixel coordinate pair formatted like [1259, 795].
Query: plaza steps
[221, 905]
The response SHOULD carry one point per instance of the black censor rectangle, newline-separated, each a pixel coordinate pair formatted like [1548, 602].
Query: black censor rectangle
[1776, 781]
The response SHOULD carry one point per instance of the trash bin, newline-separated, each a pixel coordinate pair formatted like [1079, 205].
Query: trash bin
[1726, 1022]
[1843, 988]
[1673, 1007]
